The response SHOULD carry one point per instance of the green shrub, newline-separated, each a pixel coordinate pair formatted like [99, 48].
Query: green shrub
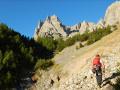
[60, 45]
[84, 36]
[47, 42]
[98, 34]
[70, 41]
[43, 64]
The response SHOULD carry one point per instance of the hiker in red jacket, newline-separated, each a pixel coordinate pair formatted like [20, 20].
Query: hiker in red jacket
[97, 67]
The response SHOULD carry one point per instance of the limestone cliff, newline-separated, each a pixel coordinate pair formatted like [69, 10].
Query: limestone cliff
[51, 27]
[112, 15]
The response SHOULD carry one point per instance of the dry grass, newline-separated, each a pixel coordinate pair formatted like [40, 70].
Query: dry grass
[72, 60]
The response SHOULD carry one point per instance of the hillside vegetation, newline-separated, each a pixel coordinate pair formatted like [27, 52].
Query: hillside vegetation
[59, 44]
[18, 56]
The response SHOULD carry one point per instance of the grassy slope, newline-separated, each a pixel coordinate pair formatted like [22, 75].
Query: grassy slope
[71, 60]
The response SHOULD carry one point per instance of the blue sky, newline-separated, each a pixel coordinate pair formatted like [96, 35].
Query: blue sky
[23, 15]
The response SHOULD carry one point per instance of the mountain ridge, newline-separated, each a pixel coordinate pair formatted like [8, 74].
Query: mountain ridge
[53, 27]
[50, 28]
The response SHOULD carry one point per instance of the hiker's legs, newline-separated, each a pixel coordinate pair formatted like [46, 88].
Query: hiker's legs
[99, 76]
[99, 79]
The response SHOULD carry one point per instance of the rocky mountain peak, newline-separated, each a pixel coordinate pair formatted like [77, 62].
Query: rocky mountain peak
[52, 27]
[52, 18]
[112, 15]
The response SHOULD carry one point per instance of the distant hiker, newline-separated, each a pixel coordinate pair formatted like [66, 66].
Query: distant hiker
[97, 66]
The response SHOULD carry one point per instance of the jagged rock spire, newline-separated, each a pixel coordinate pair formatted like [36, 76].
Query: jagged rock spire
[51, 27]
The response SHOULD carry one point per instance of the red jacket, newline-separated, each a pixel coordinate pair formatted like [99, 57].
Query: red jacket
[96, 61]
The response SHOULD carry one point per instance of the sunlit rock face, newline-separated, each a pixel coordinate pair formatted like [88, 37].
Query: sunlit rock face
[112, 15]
[51, 27]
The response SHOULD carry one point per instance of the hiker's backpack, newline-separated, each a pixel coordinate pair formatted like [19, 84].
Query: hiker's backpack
[96, 61]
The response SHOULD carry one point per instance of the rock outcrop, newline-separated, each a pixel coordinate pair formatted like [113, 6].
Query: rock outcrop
[101, 24]
[82, 27]
[112, 15]
[87, 26]
[51, 27]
